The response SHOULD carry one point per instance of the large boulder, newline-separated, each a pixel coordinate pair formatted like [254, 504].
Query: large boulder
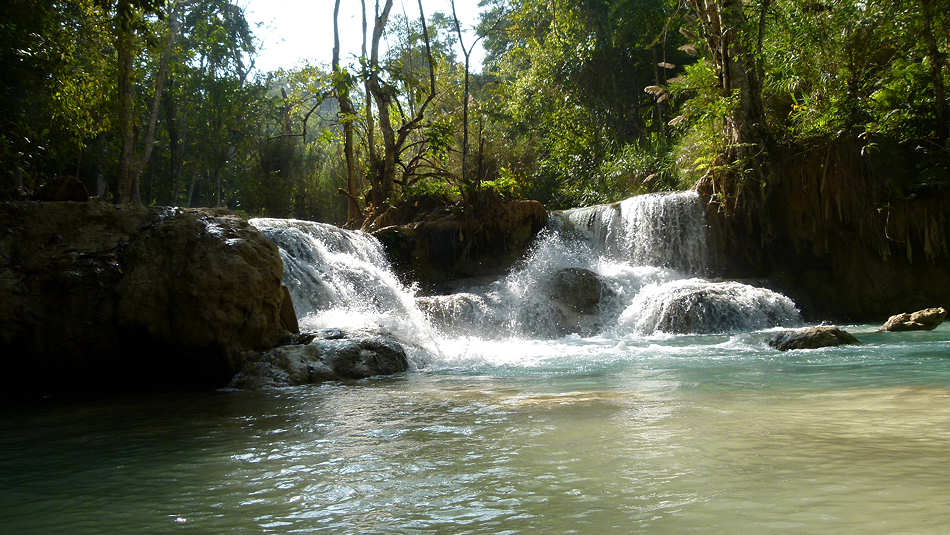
[813, 338]
[325, 355]
[574, 297]
[98, 296]
[578, 289]
[483, 241]
[922, 320]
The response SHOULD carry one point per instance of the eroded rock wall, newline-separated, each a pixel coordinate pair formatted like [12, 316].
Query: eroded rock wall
[847, 236]
[98, 296]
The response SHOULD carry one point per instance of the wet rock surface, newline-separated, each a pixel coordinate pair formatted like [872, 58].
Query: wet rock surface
[581, 290]
[325, 355]
[460, 312]
[695, 306]
[575, 296]
[813, 338]
[922, 320]
[98, 296]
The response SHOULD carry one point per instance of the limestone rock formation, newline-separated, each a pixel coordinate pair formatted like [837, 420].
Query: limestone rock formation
[457, 246]
[812, 338]
[325, 355]
[94, 295]
[922, 320]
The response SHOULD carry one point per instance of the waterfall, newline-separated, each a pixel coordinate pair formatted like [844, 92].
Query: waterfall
[341, 278]
[659, 229]
[620, 270]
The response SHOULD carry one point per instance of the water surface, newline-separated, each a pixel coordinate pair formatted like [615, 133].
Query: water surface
[669, 434]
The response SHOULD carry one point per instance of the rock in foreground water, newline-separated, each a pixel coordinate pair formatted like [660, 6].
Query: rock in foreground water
[326, 355]
[922, 320]
[812, 338]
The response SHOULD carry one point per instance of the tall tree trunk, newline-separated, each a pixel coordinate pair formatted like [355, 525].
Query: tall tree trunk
[130, 165]
[465, 97]
[219, 202]
[347, 115]
[721, 22]
[370, 124]
[191, 190]
[149, 142]
[937, 61]
[124, 38]
[174, 146]
[386, 167]
[382, 170]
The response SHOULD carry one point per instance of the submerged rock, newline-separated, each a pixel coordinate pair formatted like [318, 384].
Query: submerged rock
[460, 312]
[98, 296]
[696, 306]
[922, 320]
[329, 354]
[812, 338]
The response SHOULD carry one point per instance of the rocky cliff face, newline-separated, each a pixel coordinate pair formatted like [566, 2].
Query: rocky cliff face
[848, 237]
[484, 243]
[97, 296]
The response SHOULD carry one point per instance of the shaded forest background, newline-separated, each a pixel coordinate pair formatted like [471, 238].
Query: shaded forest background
[578, 102]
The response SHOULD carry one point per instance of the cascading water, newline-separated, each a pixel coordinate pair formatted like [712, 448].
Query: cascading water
[341, 278]
[621, 271]
[658, 229]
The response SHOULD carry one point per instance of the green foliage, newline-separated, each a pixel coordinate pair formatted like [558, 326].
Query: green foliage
[571, 78]
[700, 123]
[580, 101]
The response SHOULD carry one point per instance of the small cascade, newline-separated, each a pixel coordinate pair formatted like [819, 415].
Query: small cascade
[659, 229]
[697, 306]
[645, 252]
[341, 278]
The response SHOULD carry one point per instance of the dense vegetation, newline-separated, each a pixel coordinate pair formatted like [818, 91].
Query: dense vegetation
[579, 101]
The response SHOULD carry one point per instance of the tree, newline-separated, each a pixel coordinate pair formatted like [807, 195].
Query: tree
[467, 53]
[937, 65]
[342, 83]
[383, 169]
[724, 27]
[129, 16]
[567, 102]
